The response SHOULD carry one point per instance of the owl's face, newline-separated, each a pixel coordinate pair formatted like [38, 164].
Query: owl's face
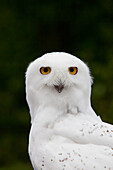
[57, 77]
[58, 72]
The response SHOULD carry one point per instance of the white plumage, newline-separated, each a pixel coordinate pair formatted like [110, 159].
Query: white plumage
[66, 134]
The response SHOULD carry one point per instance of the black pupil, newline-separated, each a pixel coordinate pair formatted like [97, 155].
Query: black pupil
[71, 69]
[45, 69]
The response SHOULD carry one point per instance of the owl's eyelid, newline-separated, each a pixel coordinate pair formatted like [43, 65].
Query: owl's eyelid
[45, 67]
[72, 67]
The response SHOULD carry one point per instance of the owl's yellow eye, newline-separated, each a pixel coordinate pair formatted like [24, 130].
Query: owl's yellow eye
[73, 70]
[45, 70]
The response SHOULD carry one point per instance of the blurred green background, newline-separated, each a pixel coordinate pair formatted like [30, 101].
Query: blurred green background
[28, 29]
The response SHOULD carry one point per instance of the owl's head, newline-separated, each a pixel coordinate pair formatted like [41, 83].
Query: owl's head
[57, 76]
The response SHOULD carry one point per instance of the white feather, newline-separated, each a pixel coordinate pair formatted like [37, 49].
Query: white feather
[66, 134]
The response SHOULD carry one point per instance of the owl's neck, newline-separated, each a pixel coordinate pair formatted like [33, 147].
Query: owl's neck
[49, 112]
[70, 101]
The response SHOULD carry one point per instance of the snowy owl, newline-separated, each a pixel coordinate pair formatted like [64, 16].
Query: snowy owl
[66, 133]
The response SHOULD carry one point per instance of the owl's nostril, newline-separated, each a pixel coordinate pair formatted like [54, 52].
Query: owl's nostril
[59, 87]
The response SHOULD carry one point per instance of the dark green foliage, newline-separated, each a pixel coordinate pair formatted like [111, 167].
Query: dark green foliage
[32, 28]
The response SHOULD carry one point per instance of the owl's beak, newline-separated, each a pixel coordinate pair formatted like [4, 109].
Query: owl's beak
[59, 87]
